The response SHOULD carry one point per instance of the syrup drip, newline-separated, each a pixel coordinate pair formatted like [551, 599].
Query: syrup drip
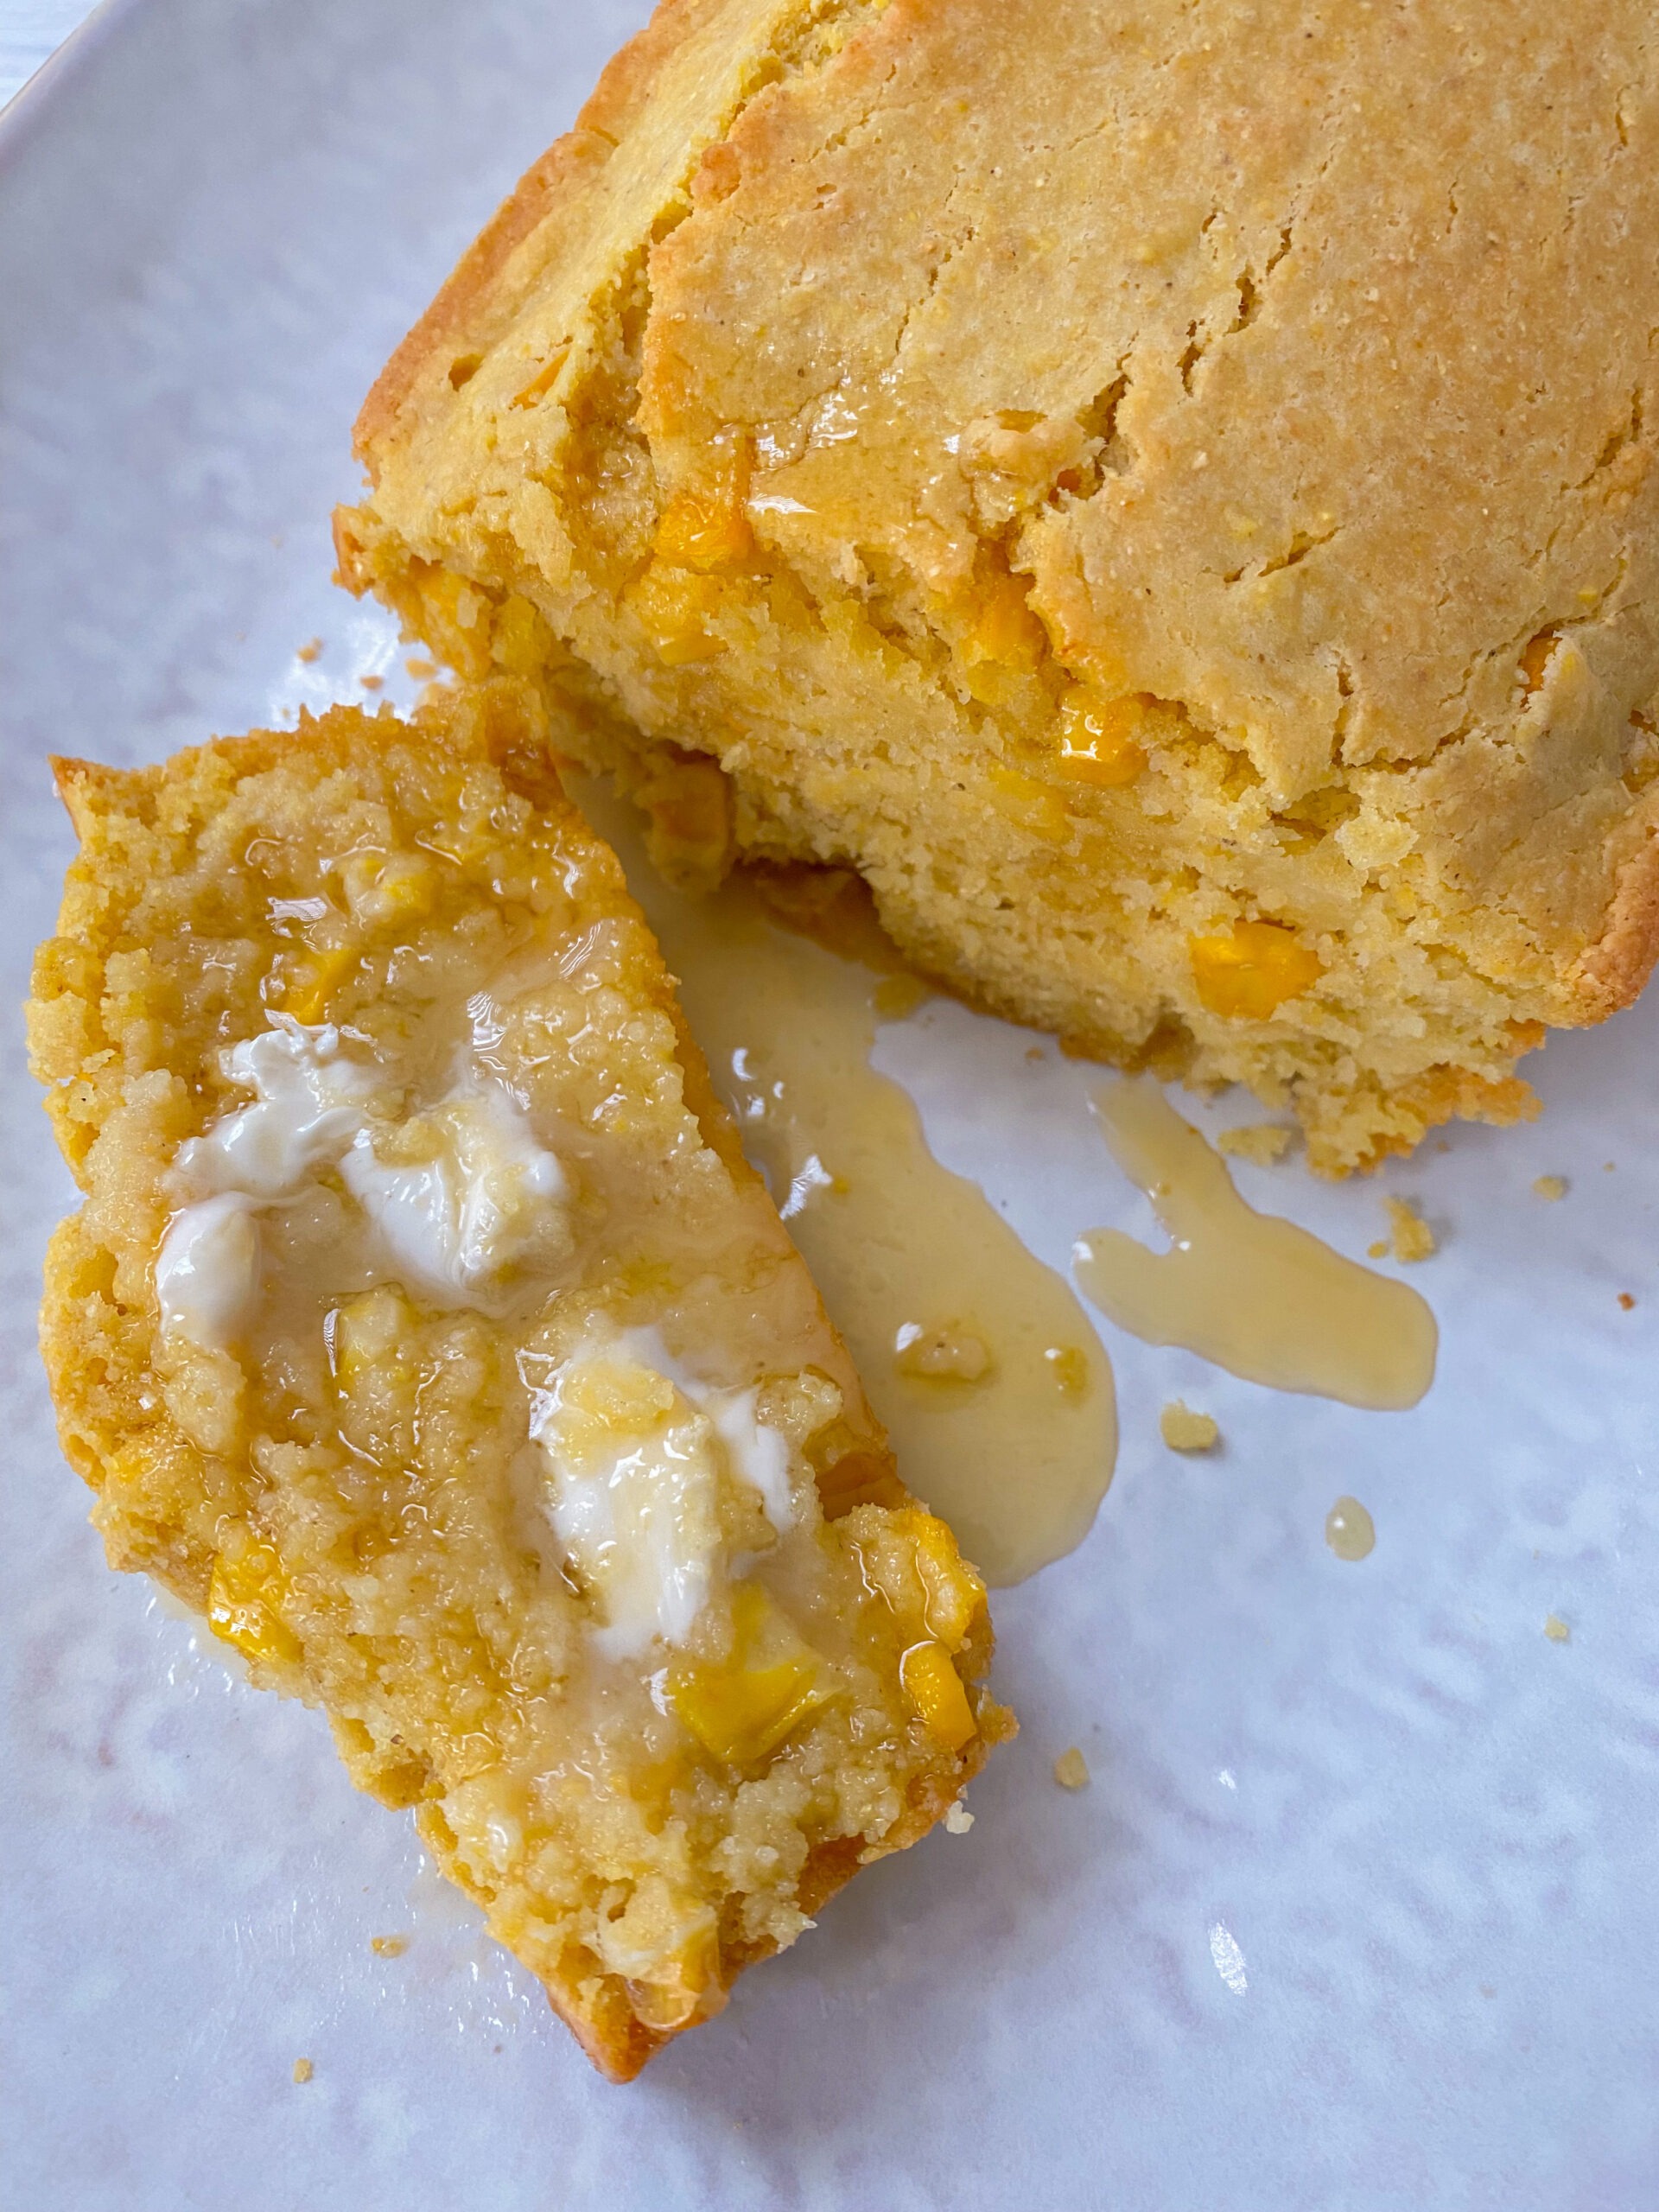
[1259, 1296]
[1349, 1530]
[981, 1362]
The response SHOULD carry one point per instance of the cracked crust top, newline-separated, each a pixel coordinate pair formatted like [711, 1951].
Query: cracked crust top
[1297, 361]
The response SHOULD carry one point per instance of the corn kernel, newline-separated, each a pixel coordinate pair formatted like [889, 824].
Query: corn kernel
[1005, 630]
[1248, 973]
[1097, 743]
[305, 997]
[523, 642]
[455, 618]
[241, 1610]
[544, 379]
[1032, 805]
[675, 608]
[743, 1709]
[379, 892]
[934, 1687]
[705, 527]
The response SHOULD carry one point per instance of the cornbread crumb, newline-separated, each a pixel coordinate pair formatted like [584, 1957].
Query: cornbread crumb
[1262, 1143]
[1626, 1300]
[897, 997]
[1071, 1770]
[303, 2069]
[949, 1352]
[1557, 1630]
[1183, 1430]
[312, 649]
[371, 1465]
[1410, 1236]
[1550, 1187]
[1069, 1365]
[372, 682]
[420, 667]
[389, 1947]
[957, 1819]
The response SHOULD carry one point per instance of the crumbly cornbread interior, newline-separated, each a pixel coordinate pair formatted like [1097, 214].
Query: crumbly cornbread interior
[1166, 493]
[500, 1284]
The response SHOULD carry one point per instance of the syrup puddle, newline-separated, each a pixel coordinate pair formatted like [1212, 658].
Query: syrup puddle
[1259, 1296]
[980, 1360]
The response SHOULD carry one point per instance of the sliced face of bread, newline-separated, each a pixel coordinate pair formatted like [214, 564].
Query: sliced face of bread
[424, 1328]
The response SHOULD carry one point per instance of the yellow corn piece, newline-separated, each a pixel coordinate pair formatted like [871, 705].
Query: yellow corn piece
[1097, 743]
[307, 996]
[676, 608]
[456, 619]
[1248, 973]
[241, 1610]
[1034, 806]
[1004, 629]
[743, 1709]
[934, 1687]
[544, 379]
[705, 527]
[523, 642]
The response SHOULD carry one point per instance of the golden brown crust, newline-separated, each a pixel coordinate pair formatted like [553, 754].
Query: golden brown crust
[461, 312]
[1613, 972]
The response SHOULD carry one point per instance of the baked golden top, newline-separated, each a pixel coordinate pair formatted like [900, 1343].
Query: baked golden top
[1225, 430]
[424, 1327]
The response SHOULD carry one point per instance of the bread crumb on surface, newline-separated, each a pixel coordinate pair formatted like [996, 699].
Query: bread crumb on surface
[898, 996]
[312, 649]
[420, 667]
[1550, 1187]
[1410, 1236]
[1183, 1430]
[389, 1947]
[372, 682]
[958, 1820]
[1626, 1300]
[1071, 1770]
[303, 2069]
[1262, 1143]
[1557, 1630]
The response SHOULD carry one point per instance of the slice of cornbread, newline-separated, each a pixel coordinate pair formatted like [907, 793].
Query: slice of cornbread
[425, 1328]
[1165, 492]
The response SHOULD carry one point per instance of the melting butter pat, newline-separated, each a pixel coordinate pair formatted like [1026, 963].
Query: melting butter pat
[635, 1454]
[207, 1273]
[460, 1196]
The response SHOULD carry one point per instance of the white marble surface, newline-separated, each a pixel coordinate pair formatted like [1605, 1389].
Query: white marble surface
[1360, 1908]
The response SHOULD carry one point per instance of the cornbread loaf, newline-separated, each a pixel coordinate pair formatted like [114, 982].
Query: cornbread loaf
[1166, 492]
[424, 1328]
